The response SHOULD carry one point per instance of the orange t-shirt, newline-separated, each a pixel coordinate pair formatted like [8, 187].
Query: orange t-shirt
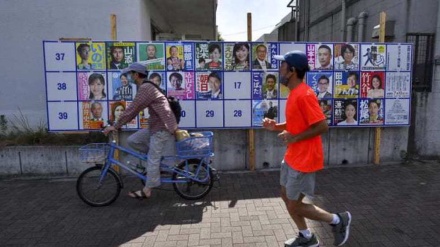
[302, 111]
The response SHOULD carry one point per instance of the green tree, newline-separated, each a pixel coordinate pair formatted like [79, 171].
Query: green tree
[219, 37]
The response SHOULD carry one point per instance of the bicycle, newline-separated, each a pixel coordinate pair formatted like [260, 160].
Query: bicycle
[192, 178]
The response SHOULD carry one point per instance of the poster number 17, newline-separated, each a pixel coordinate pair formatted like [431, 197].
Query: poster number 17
[237, 84]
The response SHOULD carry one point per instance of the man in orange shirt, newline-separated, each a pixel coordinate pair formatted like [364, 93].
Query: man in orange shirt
[301, 132]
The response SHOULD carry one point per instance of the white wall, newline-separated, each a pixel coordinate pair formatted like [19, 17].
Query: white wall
[24, 24]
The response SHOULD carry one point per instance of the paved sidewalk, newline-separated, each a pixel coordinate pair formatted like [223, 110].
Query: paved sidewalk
[392, 205]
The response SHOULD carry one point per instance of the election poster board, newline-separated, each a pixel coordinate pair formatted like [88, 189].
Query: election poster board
[226, 84]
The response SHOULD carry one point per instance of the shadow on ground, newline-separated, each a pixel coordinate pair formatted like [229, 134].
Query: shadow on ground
[395, 205]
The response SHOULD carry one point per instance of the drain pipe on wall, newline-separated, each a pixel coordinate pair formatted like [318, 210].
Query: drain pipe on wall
[361, 26]
[343, 11]
[350, 26]
[437, 53]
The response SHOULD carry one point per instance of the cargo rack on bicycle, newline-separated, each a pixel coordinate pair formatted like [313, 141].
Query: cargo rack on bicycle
[199, 144]
[94, 153]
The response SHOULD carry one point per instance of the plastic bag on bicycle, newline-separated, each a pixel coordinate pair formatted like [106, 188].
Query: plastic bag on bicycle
[198, 144]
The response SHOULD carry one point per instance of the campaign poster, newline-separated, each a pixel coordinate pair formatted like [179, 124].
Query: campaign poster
[237, 56]
[120, 55]
[257, 85]
[174, 56]
[151, 55]
[117, 108]
[180, 85]
[93, 114]
[158, 78]
[311, 55]
[188, 56]
[397, 111]
[261, 57]
[373, 84]
[90, 56]
[323, 57]
[270, 85]
[143, 118]
[263, 109]
[92, 86]
[346, 84]
[284, 91]
[373, 57]
[326, 107]
[345, 112]
[371, 111]
[132, 124]
[273, 51]
[398, 84]
[321, 83]
[346, 57]
[209, 85]
[208, 56]
[122, 87]
[399, 57]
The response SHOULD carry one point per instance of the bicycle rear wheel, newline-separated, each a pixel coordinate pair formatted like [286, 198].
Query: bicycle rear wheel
[95, 193]
[190, 189]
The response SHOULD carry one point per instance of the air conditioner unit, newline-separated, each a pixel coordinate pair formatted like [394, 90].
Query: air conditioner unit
[389, 30]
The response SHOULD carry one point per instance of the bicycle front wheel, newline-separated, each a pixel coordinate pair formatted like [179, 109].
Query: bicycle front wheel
[96, 193]
[187, 187]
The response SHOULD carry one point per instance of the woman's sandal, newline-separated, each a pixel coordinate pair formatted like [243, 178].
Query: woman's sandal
[137, 195]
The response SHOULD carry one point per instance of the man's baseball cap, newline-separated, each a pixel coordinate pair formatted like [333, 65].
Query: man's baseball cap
[136, 67]
[296, 59]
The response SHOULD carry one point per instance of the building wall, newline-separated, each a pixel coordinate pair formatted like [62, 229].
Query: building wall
[321, 21]
[25, 24]
[324, 17]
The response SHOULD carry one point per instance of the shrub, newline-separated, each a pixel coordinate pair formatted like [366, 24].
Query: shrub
[18, 132]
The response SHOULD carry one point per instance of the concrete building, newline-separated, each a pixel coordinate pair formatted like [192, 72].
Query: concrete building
[357, 21]
[25, 24]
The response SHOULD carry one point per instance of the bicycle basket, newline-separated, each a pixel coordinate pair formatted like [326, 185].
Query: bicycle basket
[197, 145]
[93, 153]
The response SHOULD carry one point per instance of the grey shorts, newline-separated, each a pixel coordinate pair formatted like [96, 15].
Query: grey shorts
[297, 183]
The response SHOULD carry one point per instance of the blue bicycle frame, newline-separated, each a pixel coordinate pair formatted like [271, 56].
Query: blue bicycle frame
[164, 167]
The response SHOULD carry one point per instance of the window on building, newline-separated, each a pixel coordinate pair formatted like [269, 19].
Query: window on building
[422, 61]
